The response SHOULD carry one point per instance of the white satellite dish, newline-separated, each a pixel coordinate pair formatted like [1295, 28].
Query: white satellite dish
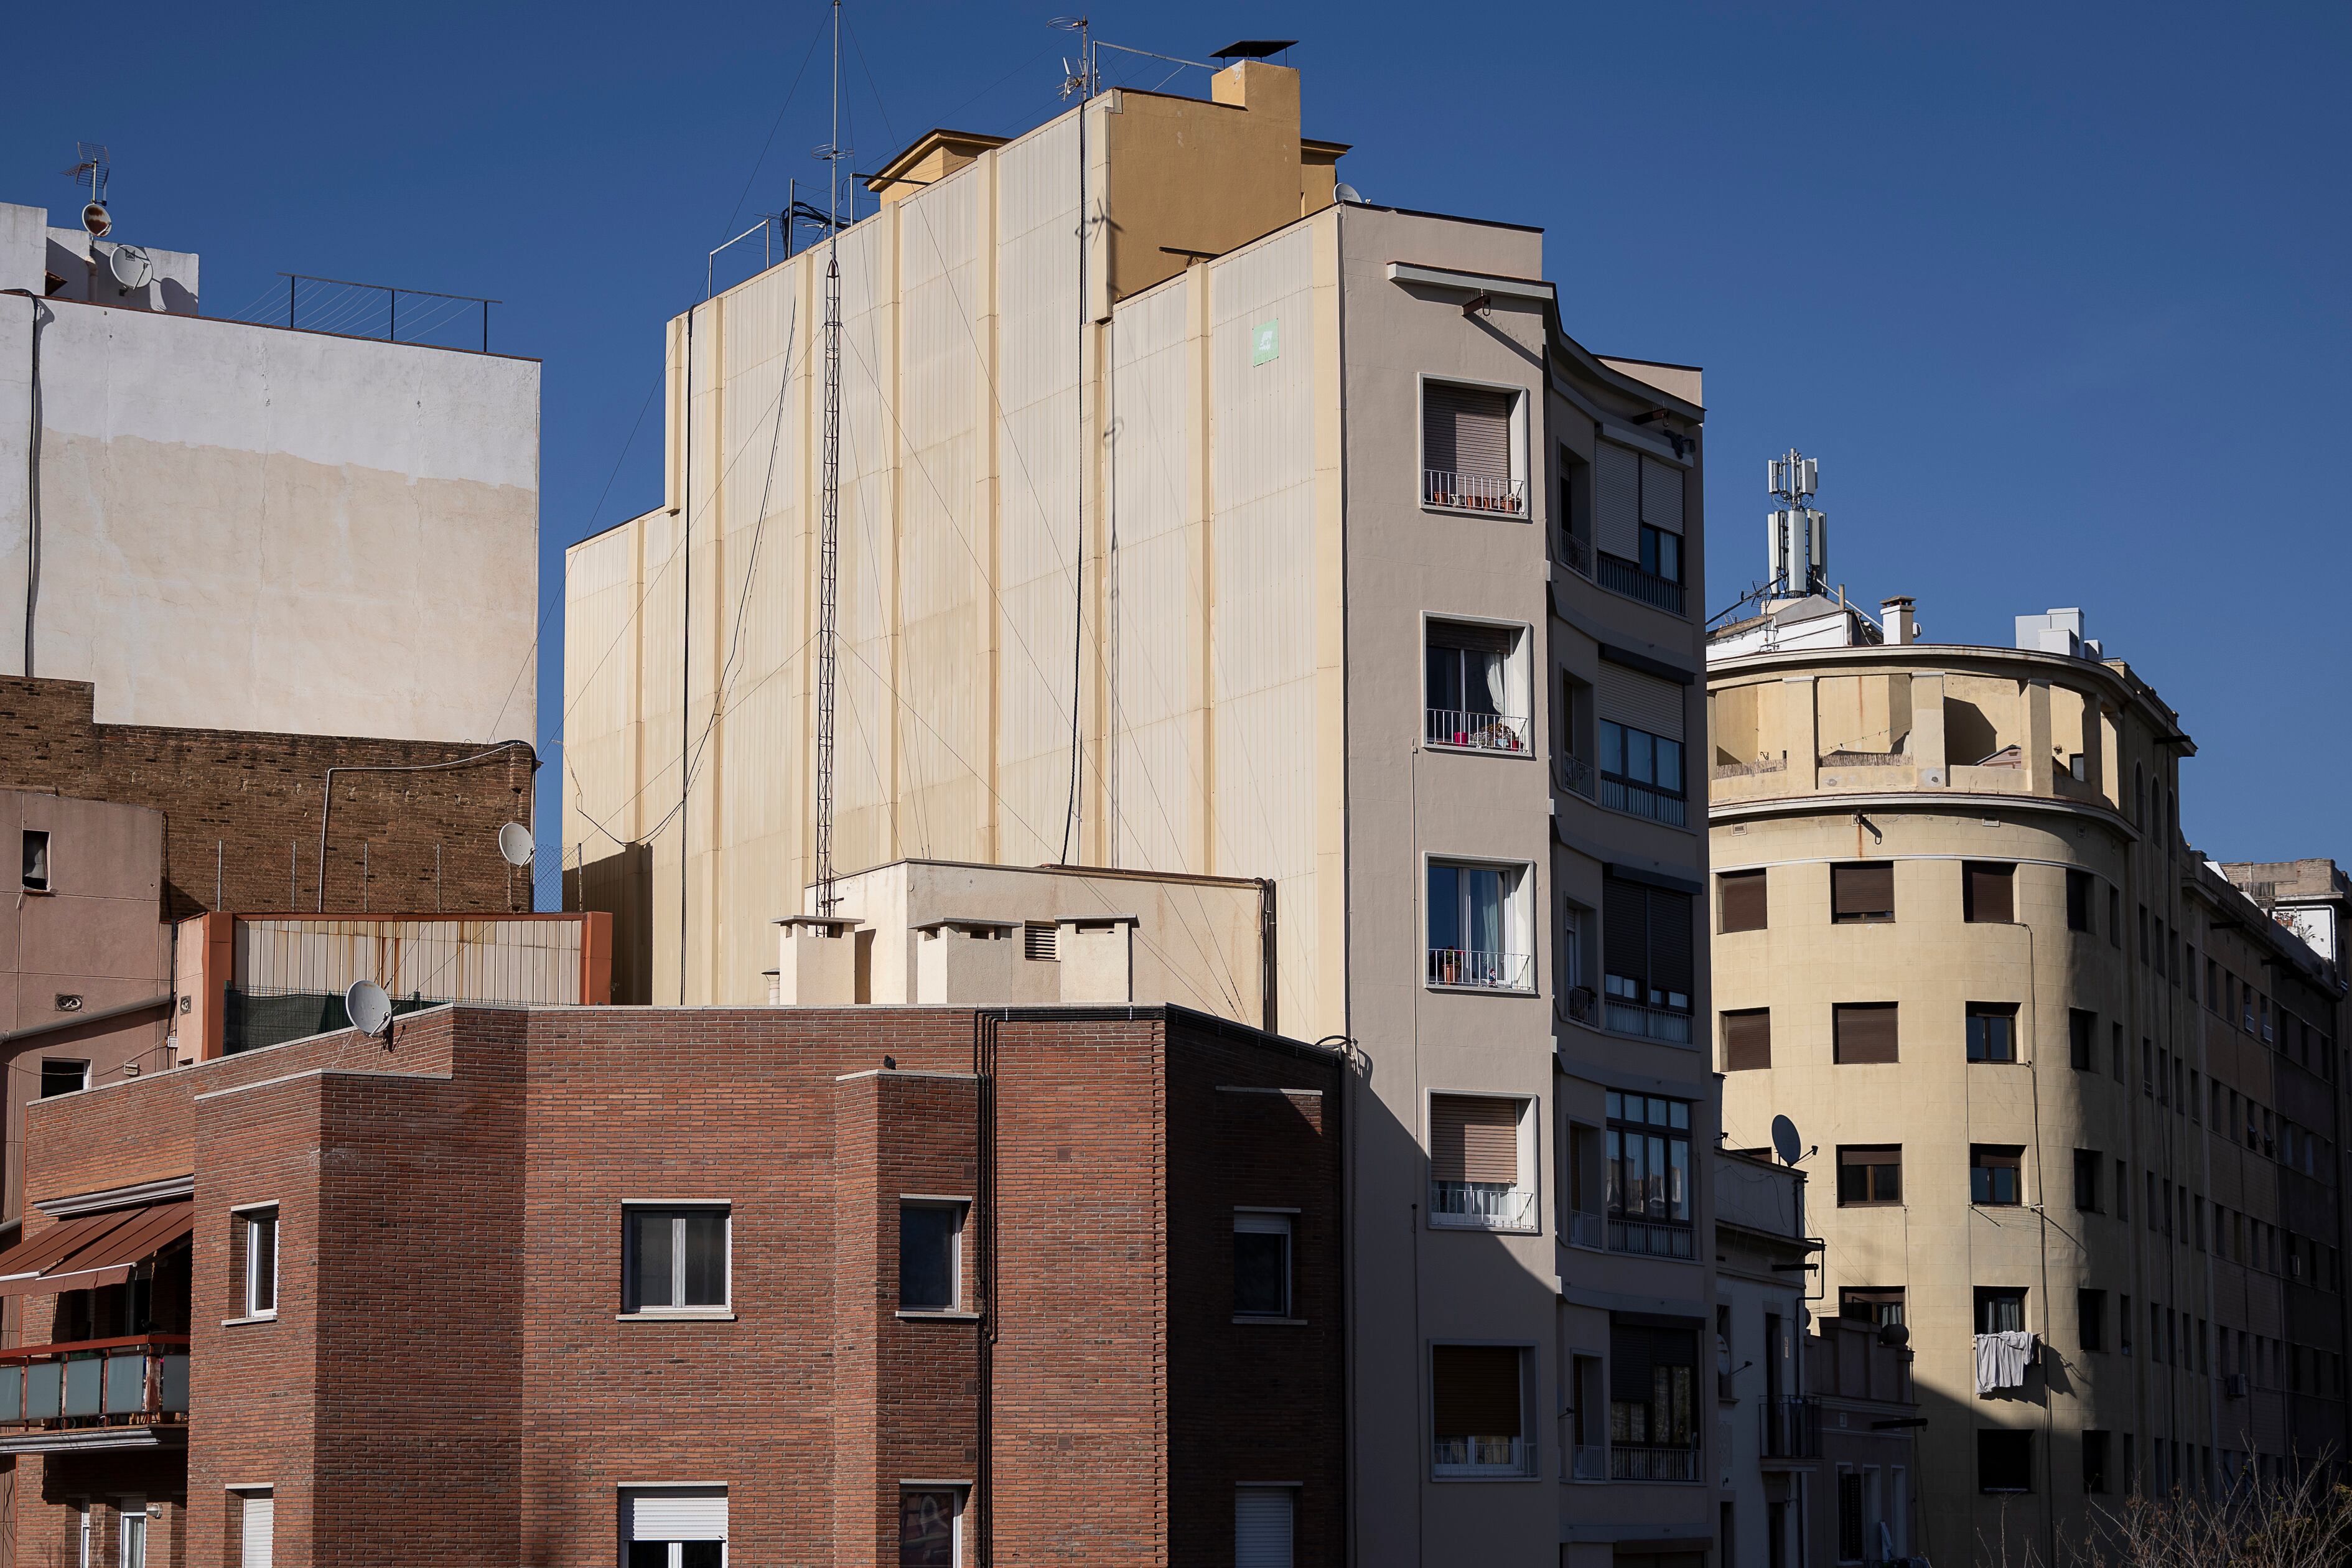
[132, 267]
[1785, 1141]
[514, 843]
[1344, 192]
[369, 1008]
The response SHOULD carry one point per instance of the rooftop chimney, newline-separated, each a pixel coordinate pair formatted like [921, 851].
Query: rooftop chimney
[1902, 627]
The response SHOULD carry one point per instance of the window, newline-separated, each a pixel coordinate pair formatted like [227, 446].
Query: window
[1469, 445]
[2124, 1325]
[256, 1512]
[1647, 968]
[677, 1258]
[2078, 900]
[1654, 1428]
[1261, 1264]
[2088, 1165]
[2004, 1461]
[133, 1546]
[1475, 687]
[1742, 896]
[1987, 893]
[59, 1075]
[1992, 1032]
[686, 1527]
[2095, 1463]
[1575, 519]
[1662, 553]
[1993, 1171]
[2081, 1037]
[1862, 894]
[1880, 1304]
[36, 860]
[256, 1239]
[2091, 1319]
[1849, 1515]
[2115, 918]
[1637, 525]
[1748, 1039]
[1263, 1527]
[2123, 1189]
[1478, 928]
[2000, 1310]
[1862, 1031]
[2122, 1069]
[931, 1527]
[1476, 1162]
[1869, 1173]
[1641, 772]
[929, 1243]
[1649, 1163]
[1477, 1409]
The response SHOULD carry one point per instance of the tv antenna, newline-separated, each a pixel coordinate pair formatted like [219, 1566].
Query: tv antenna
[828, 576]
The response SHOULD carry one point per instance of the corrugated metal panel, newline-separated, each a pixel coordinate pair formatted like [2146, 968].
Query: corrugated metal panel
[507, 961]
[1662, 495]
[1629, 696]
[1617, 501]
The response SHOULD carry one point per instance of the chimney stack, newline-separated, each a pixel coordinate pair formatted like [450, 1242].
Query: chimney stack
[1902, 627]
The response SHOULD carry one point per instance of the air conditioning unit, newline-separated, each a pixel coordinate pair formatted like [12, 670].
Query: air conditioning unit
[2233, 1387]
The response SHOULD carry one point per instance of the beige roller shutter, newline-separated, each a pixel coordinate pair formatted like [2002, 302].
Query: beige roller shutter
[1662, 495]
[1466, 430]
[1643, 701]
[1474, 1139]
[1617, 501]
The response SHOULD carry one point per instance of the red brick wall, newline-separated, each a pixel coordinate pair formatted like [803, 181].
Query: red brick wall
[255, 798]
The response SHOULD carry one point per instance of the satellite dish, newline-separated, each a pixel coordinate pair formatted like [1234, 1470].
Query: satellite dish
[95, 218]
[131, 267]
[1785, 1141]
[369, 1008]
[514, 843]
[1344, 192]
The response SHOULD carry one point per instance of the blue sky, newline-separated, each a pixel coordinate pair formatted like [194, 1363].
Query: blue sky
[2056, 294]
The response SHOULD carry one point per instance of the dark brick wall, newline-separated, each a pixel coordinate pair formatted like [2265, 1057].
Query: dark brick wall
[255, 799]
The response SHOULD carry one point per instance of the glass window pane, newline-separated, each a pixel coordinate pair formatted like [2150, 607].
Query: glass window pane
[1262, 1272]
[927, 1530]
[706, 1258]
[1670, 764]
[649, 1254]
[1678, 1204]
[701, 1554]
[261, 1244]
[1613, 749]
[1445, 906]
[1637, 756]
[927, 1238]
[1680, 1112]
[1485, 888]
[648, 1554]
[1670, 556]
[1444, 675]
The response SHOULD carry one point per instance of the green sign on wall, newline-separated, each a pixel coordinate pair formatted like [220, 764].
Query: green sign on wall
[1266, 343]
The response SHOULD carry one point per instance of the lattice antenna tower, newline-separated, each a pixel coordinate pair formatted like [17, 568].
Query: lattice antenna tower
[1799, 545]
[828, 613]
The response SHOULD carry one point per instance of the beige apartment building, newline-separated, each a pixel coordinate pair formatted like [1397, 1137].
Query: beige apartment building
[1200, 518]
[2071, 1097]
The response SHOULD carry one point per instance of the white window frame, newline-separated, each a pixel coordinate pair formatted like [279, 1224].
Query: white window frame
[1520, 399]
[961, 1491]
[1529, 1190]
[1519, 919]
[1518, 681]
[960, 1207]
[246, 1216]
[132, 1521]
[725, 1307]
[628, 1493]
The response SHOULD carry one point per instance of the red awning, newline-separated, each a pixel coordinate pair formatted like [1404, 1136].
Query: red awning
[94, 1249]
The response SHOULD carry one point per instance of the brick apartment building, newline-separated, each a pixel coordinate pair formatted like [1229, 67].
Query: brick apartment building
[859, 1286]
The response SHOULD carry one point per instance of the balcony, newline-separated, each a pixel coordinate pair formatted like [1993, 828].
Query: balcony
[1481, 1206]
[1643, 800]
[1791, 1427]
[1652, 1462]
[1588, 1230]
[1575, 776]
[1588, 1462]
[95, 1394]
[1651, 1238]
[1467, 969]
[1621, 1017]
[1480, 1457]
[1621, 576]
[1473, 731]
[1576, 555]
[1474, 492]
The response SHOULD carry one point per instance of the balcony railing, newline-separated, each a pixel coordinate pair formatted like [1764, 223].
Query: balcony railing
[1576, 555]
[1643, 800]
[71, 1394]
[1575, 776]
[1621, 576]
[1588, 1462]
[1481, 1206]
[1588, 1230]
[1651, 1238]
[1652, 1462]
[1650, 1023]
[1474, 492]
[1792, 1428]
[1480, 1457]
[1477, 731]
[1779, 764]
[1481, 971]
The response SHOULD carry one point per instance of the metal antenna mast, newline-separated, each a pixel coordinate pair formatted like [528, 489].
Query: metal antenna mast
[828, 626]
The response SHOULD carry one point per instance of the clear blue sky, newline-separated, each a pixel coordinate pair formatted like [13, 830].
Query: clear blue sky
[2058, 295]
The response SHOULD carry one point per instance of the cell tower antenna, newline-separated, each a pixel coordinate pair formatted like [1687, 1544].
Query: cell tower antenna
[828, 623]
[1799, 545]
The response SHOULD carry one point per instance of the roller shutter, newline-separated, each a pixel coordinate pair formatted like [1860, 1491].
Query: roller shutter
[1748, 1040]
[1643, 701]
[1858, 892]
[1743, 901]
[1474, 1390]
[1863, 1032]
[676, 1513]
[1988, 892]
[1617, 501]
[1662, 495]
[257, 1531]
[1474, 1139]
[1262, 1527]
[1466, 430]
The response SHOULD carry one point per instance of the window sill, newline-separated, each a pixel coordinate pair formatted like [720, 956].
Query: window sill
[1259, 1320]
[1448, 1477]
[938, 1315]
[248, 1320]
[1522, 754]
[1480, 990]
[1500, 513]
[679, 1315]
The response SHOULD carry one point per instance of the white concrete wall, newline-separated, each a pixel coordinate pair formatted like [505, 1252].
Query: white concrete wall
[247, 528]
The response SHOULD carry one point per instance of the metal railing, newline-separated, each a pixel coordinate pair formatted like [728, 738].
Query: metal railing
[1620, 577]
[1652, 1462]
[138, 1381]
[1575, 554]
[1791, 1427]
[339, 306]
[1643, 800]
[1650, 1023]
[1575, 776]
[1480, 1456]
[1588, 1230]
[1749, 770]
[1651, 1238]
[1481, 1206]
[1866, 759]
[1477, 731]
[1588, 1462]
[1480, 971]
[1474, 492]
